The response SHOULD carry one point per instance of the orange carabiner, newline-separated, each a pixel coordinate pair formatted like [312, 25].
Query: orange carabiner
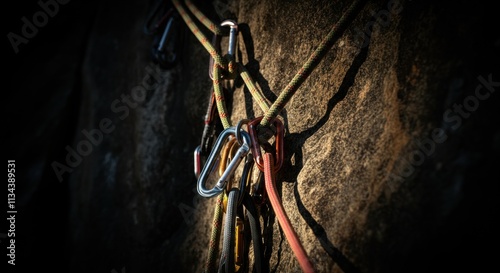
[226, 155]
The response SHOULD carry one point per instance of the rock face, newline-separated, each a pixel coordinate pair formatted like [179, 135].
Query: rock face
[390, 144]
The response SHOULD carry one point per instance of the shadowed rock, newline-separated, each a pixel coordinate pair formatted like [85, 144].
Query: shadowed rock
[388, 143]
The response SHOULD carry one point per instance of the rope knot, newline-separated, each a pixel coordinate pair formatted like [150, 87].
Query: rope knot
[231, 69]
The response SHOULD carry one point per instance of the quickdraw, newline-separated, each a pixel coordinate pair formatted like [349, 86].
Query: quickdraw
[233, 144]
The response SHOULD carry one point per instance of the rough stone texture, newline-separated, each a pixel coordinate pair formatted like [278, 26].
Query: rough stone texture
[364, 184]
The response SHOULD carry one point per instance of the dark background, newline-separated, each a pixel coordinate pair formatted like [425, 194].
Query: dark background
[41, 113]
[41, 106]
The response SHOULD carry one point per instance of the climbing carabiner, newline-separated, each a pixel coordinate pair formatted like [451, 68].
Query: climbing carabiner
[209, 130]
[231, 167]
[164, 49]
[155, 15]
[227, 154]
[246, 177]
[233, 35]
[279, 153]
[197, 161]
[239, 243]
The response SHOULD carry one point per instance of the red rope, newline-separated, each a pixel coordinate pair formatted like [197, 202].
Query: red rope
[283, 219]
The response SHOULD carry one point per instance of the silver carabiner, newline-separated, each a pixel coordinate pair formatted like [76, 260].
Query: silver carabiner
[212, 158]
[233, 33]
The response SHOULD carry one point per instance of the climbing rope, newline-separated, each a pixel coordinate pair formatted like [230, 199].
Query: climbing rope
[220, 102]
[214, 236]
[255, 231]
[229, 230]
[216, 29]
[254, 91]
[219, 97]
[218, 59]
[311, 63]
[283, 219]
[225, 67]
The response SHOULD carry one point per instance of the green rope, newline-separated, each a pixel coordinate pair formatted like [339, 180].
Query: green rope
[219, 98]
[256, 94]
[216, 29]
[218, 59]
[224, 63]
[219, 62]
[215, 236]
[309, 65]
